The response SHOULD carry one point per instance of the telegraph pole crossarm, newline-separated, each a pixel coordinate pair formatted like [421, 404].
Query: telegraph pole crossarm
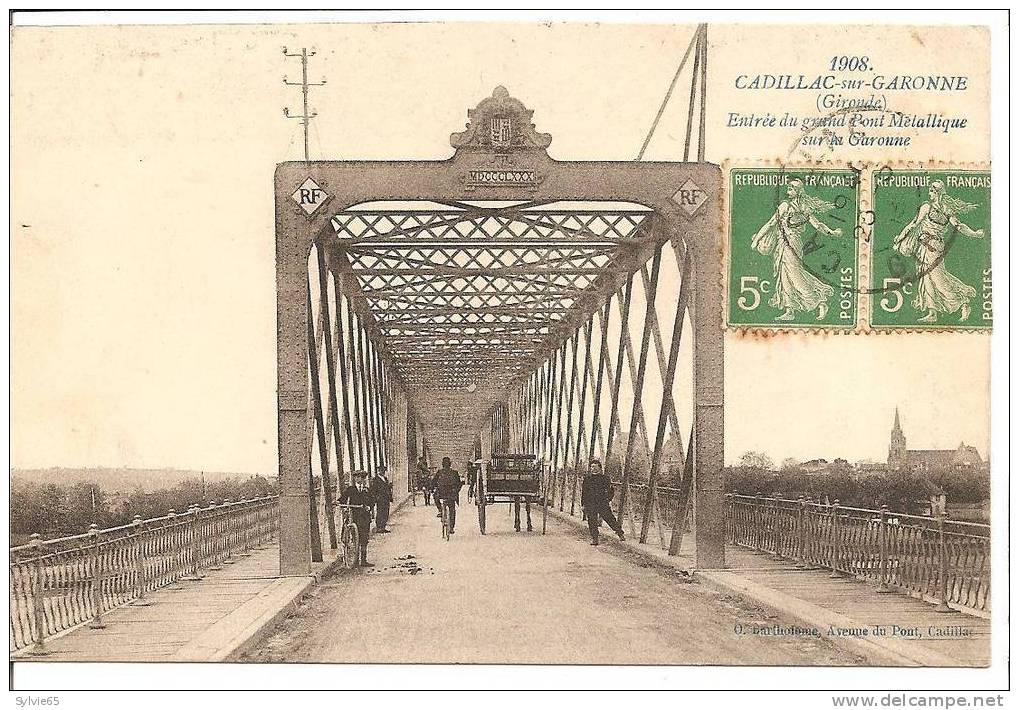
[306, 116]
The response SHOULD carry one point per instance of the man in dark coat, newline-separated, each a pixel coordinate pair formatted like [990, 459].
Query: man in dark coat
[359, 495]
[382, 491]
[447, 490]
[595, 499]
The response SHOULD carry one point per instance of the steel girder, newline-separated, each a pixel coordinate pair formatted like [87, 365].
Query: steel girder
[471, 296]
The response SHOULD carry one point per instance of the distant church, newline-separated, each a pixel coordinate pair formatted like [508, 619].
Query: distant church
[899, 457]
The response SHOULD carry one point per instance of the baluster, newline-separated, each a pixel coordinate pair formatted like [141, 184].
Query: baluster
[175, 547]
[140, 567]
[263, 528]
[883, 587]
[730, 527]
[97, 579]
[757, 522]
[167, 550]
[198, 539]
[801, 534]
[836, 543]
[244, 519]
[208, 537]
[252, 523]
[36, 585]
[942, 606]
[192, 540]
[275, 519]
[228, 511]
[213, 538]
[59, 582]
[125, 569]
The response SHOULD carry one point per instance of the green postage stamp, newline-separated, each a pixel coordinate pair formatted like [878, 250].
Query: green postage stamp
[793, 248]
[931, 251]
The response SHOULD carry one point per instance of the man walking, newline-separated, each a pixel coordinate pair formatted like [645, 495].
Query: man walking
[382, 491]
[447, 490]
[359, 495]
[595, 499]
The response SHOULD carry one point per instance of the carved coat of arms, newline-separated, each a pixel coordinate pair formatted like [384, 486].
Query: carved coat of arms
[500, 123]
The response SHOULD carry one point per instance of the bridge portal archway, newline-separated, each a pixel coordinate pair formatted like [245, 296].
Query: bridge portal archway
[426, 306]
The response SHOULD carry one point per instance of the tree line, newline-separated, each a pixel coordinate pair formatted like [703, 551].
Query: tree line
[902, 490]
[57, 510]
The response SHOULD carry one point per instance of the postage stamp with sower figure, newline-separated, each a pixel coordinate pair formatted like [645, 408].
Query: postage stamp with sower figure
[931, 251]
[793, 248]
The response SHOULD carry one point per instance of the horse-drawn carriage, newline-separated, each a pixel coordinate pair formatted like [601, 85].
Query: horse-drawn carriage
[513, 479]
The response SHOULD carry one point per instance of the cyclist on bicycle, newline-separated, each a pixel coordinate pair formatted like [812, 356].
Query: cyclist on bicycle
[359, 495]
[447, 490]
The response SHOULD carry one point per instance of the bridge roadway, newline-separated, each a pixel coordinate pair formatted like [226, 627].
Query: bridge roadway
[510, 597]
[521, 598]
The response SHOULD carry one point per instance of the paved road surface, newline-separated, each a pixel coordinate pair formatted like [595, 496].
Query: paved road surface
[511, 597]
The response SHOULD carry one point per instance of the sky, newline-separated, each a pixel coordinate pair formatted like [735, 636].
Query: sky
[142, 242]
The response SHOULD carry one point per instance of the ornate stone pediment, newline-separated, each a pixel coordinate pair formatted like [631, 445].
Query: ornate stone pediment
[500, 124]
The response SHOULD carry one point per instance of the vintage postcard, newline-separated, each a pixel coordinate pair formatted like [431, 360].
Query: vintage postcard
[575, 343]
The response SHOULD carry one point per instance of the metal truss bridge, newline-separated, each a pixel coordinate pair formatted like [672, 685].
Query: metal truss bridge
[500, 301]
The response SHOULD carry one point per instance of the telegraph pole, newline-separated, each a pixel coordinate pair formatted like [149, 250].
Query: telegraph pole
[305, 117]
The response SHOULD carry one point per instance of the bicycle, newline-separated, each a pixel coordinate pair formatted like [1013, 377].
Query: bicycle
[350, 538]
[445, 519]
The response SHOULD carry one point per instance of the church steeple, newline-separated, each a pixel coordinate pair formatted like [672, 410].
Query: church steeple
[897, 444]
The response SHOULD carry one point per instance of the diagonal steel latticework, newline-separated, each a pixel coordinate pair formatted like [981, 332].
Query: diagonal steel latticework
[502, 300]
[469, 296]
